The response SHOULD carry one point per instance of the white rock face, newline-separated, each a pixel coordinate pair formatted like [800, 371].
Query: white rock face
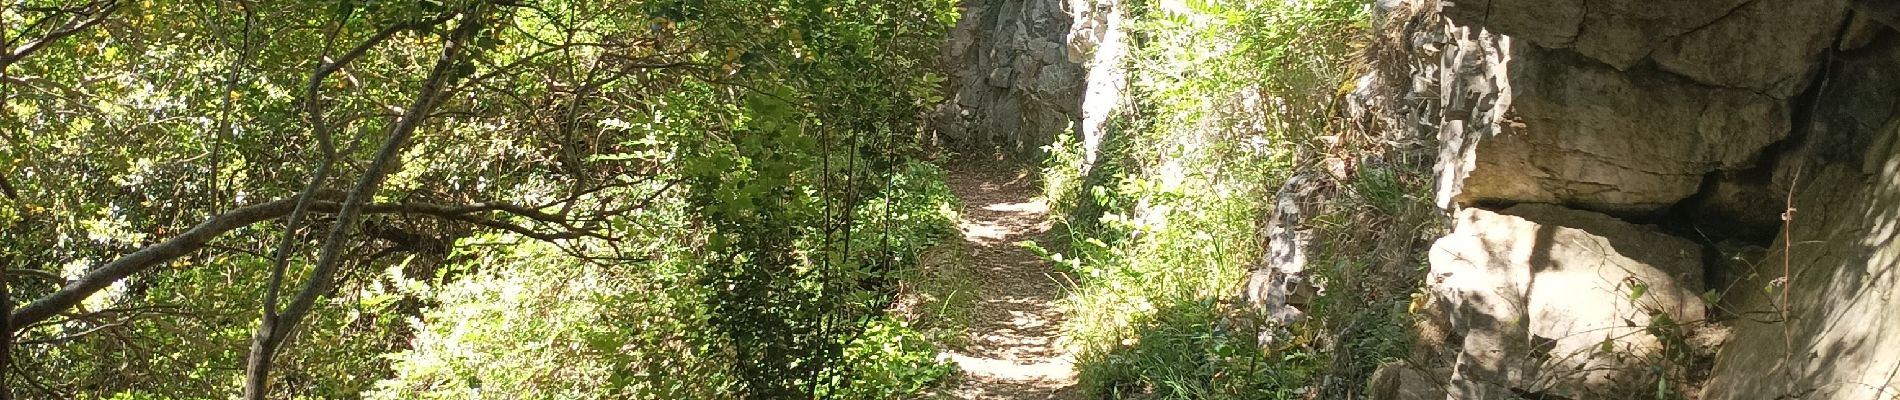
[1099, 39]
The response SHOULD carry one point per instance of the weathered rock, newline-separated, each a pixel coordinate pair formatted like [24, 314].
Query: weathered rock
[1398, 381]
[999, 78]
[1278, 284]
[1553, 24]
[1616, 32]
[1860, 31]
[1590, 136]
[1015, 86]
[1048, 52]
[1556, 300]
[1764, 46]
[1841, 335]
[1885, 11]
[1705, 114]
[1472, 90]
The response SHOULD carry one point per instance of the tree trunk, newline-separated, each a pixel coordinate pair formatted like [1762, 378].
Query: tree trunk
[272, 331]
[6, 333]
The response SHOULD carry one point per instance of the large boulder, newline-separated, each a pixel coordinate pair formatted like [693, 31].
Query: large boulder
[1559, 301]
[1619, 106]
[1704, 115]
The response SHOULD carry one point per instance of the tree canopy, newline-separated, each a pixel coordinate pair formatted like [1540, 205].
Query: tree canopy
[464, 198]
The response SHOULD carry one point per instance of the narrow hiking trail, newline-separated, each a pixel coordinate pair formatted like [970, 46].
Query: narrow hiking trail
[1012, 351]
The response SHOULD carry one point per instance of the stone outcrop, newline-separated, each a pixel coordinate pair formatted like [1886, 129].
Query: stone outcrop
[1523, 123]
[1591, 148]
[1840, 337]
[1555, 300]
[1765, 46]
[1278, 284]
[1018, 77]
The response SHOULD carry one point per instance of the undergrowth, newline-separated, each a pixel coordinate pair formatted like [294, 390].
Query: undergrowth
[526, 323]
[1227, 100]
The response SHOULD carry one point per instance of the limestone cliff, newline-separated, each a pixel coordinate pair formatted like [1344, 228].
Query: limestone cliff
[1693, 198]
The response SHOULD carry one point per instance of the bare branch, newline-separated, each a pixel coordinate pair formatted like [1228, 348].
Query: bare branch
[92, 14]
[319, 128]
[199, 237]
[272, 331]
[229, 96]
[34, 273]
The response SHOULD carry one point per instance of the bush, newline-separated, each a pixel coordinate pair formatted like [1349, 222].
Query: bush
[1224, 95]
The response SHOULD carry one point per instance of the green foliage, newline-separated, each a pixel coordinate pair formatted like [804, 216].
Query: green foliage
[940, 294]
[533, 324]
[732, 215]
[1213, 360]
[890, 360]
[1222, 95]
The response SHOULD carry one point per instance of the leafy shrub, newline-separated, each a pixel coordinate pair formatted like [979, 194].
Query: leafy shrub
[1223, 94]
[527, 322]
[533, 324]
[890, 360]
[657, 199]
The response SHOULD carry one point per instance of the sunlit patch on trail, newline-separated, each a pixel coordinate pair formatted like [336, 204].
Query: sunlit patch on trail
[1013, 350]
[1054, 372]
[1032, 207]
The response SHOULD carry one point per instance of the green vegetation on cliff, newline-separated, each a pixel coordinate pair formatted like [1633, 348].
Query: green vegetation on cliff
[1228, 100]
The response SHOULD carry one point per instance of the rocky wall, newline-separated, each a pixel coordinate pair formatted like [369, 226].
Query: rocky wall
[1018, 73]
[1693, 198]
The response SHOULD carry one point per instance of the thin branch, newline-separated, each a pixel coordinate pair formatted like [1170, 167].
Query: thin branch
[48, 276]
[199, 237]
[224, 110]
[92, 14]
[272, 332]
[74, 336]
[125, 317]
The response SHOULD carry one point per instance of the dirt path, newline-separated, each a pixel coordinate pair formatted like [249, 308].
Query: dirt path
[1012, 352]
